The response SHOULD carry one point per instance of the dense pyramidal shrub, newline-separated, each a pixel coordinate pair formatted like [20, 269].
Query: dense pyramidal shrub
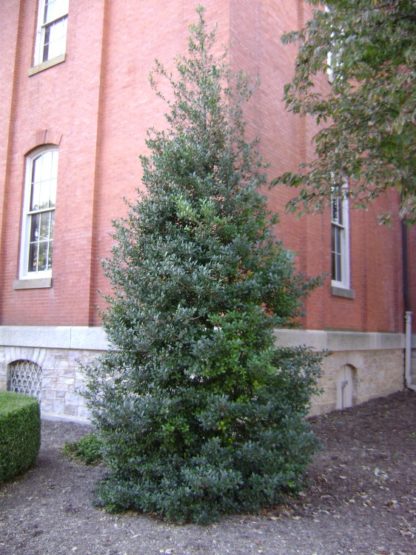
[198, 412]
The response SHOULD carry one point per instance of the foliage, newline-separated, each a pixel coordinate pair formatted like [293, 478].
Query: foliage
[367, 115]
[19, 433]
[87, 449]
[198, 412]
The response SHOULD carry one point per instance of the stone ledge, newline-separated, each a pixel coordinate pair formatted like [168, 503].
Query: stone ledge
[46, 65]
[54, 337]
[94, 338]
[342, 292]
[35, 283]
[340, 340]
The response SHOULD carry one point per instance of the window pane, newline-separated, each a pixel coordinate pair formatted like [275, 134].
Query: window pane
[337, 241]
[33, 257]
[336, 205]
[44, 176]
[333, 267]
[54, 9]
[336, 253]
[54, 174]
[45, 49]
[44, 226]
[334, 210]
[35, 192]
[55, 39]
[338, 274]
[43, 257]
[50, 249]
[340, 219]
[40, 248]
[34, 228]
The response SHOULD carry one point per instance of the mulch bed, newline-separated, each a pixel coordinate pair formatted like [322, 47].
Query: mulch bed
[360, 498]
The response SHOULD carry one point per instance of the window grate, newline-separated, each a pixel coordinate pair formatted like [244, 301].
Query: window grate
[25, 377]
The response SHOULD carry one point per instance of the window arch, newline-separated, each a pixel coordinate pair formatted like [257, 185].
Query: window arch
[39, 213]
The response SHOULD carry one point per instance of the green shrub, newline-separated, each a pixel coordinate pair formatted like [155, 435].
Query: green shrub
[87, 449]
[200, 414]
[19, 433]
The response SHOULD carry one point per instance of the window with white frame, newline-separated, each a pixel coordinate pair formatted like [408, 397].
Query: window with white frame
[39, 213]
[333, 57]
[340, 248]
[51, 30]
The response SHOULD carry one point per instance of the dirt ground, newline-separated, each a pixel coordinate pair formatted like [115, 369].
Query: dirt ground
[360, 498]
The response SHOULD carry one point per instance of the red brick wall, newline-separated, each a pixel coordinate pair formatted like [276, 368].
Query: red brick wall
[136, 34]
[61, 104]
[98, 104]
[286, 140]
[9, 16]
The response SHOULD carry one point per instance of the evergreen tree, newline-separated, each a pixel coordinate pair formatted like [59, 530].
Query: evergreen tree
[198, 411]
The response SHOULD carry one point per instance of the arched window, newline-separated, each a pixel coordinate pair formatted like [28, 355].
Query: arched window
[25, 376]
[39, 213]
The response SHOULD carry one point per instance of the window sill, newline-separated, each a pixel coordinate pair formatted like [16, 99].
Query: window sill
[337, 291]
[46, 65]
[36, 283]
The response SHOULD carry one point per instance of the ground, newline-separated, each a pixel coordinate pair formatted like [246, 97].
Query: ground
[360, 498]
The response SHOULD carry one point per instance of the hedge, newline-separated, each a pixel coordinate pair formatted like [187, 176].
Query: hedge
[19, 433]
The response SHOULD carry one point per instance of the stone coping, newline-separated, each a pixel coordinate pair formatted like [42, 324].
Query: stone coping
[94, 338]
[54, 337]
[341, 340]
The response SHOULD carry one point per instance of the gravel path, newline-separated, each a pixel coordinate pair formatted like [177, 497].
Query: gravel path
[360, 498]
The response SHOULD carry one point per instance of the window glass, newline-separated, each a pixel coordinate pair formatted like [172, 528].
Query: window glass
[54, 9]
[38, 222]
[52, 30]
[340, 255]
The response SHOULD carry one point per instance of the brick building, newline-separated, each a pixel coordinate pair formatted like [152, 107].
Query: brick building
[76, 104]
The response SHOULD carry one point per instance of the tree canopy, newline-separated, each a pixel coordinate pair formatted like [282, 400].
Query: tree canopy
[367, 112]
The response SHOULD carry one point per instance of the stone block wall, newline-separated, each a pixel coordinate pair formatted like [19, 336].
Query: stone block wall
[373, 374]
[62, 378]
[59, 351]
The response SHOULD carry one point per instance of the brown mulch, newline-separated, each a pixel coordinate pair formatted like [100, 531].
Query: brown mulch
[360, 498]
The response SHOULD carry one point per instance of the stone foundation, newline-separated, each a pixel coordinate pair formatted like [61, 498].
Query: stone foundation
[368, 374]
[359, 366]
[59, 352]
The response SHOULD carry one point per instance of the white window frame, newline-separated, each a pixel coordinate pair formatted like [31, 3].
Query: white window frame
[340, 226]
[332, 60]
[43, 31]
[28, 215]
[330, 67]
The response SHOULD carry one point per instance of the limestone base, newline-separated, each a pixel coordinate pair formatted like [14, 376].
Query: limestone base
[359, 366]
[371, 374]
